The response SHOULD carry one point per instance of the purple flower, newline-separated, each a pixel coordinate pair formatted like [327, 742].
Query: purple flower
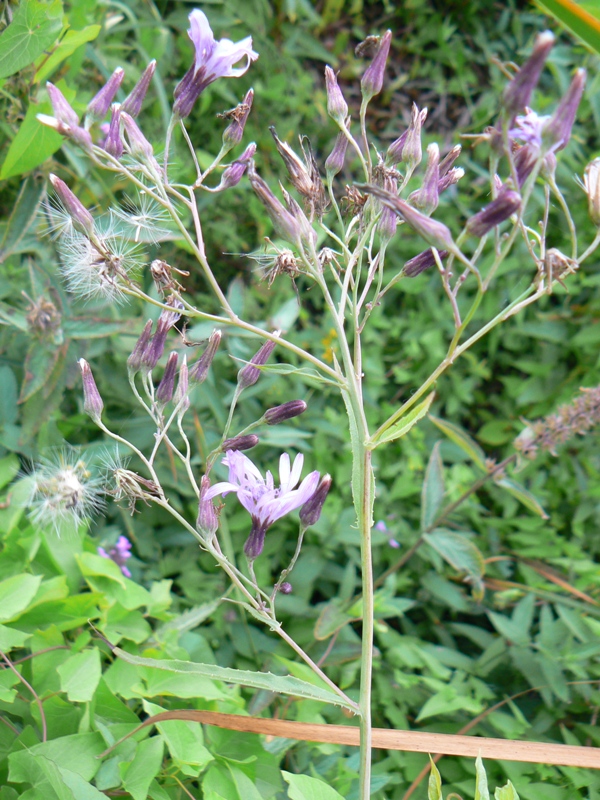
[213, 60]
[119, 554]
[260, 498]
[529, 128]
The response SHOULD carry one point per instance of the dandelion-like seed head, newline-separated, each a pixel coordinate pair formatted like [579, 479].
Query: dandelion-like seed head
[124, 484]
[64, 490]
[141, 220]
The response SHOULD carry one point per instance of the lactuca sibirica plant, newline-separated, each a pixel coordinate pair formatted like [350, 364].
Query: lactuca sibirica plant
[333, 237]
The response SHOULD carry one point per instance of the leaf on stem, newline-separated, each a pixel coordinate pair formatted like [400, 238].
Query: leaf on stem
[522, 494]
[462, 439]
[404, 424]
[433, 490]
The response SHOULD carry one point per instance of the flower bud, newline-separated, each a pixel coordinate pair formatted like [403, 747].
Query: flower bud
[418, 264]
[250, 373]
[208, 520]
[525, 160]
[240, 442]
[337, 107]
[591, 184]
[426, 198]
[372, 80]
[133, 102]
[335, 160]
[507, 203]
[234, 173]
[181, 398]
[557, 131]
[517, 93]
[156, 345]
[99, 105]
[298, 172]
[233, 133]
[92, 402]
[278, 414]
[139, 146]
[134, 362]
[199, 370]
[435, 233]
[61, 107]
[113, 144]
[450, 178]
[311, 510]
[81, 217]
[407, 147]
[284, 222]
[164, 393]
[448, 160]
[388, 222]
[285, 588]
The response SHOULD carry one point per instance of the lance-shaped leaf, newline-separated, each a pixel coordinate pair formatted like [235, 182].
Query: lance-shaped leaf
[522, 494]
[462, 439]
[460, 553]
[405, 423]
[432, 493]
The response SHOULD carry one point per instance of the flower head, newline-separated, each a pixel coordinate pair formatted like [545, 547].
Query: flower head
[119, 554]
[259, 496]
[214, 59]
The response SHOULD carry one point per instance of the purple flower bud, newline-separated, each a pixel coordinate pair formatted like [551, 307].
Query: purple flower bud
[415, 266]
[99, 105]
[139, 146]
[61, 107]
[246, 442]
[285, 223]
[181, 398]
[233, 133]
[208, 519]
[435, 233]
[119, 554]
[525, 160]
[337, 107]
[335, 160]
[298, 172]
[92, 402]
[311, 510]
[113, 143]
[81, 217]
[591, 184]
[557, 131]
[133, 102]
[199, 371]
[426, 198]
[285, 588]
[249, 374]
[293, 408]
[448, 160]
[156, 345]
[407, 147]
[134, 362]
[307, 233]
[517, 93]
[164, 393]
[507, 203]
[234, 173]
[388, 222]
[450, 178]
[372, 80]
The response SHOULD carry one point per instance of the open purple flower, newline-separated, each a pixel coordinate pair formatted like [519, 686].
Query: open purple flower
[119, 554]
[213, 60]
[260, 498]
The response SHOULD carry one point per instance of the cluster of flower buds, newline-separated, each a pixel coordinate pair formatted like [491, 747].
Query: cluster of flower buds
[304, 174]
[407, 147]
[149, 348]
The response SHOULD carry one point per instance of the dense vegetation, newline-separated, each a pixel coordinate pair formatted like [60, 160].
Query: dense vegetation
[504, 633]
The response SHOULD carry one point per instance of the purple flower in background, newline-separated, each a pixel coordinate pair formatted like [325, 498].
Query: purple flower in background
[119, 554]
[529, 128]
[260, 497]
[213, 60]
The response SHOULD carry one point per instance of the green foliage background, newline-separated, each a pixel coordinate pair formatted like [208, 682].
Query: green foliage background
[446, 651]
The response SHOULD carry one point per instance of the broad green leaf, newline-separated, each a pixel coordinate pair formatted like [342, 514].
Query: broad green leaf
[23, 215]
[32, 145]
[40, 364]
[481, 785]
[303, 787]
[78, 753]
[8, 396]
[13, 316]
[507, 792]
[67, 46]
[434, 785]
[576, 19]
[35, 26]
[184, 740]
[80, 675]
[524, 495]
[432, 494]
[462, 439]
[458, 551]
[143, 769]
[10, 637]
[402, 427]
[16, 593]
[257, 680]
[81, 789]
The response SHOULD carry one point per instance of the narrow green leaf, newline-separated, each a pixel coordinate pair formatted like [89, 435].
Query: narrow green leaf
[481, 785]
[35, 26]
[403, 425]
[23, 215]
[433, 490]
[434, 786]
[462, 439]
[67, 46]
[524, 495]
[305, 373]
[8, 396]
[257, 680]
[303, 787]
[576, 19]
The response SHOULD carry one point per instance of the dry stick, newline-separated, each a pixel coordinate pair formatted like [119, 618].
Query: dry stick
[36, 696]
[411, 741]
